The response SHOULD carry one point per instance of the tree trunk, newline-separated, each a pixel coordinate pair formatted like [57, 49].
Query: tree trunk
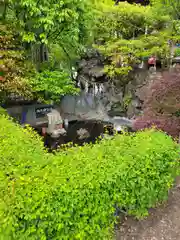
[43, 53]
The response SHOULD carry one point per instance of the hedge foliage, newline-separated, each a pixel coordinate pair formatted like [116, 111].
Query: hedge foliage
[73, 194]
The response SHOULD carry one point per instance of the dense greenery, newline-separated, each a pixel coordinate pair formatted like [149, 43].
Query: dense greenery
[169, 6]
[177, 52]
[54, 83]
[55, 35]
[19, 74]
[39, 26]
[128, 33]
[65, 22]
[14, 67]
[73, 194]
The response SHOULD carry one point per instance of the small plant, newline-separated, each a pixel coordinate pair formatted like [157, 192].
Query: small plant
[126, 101]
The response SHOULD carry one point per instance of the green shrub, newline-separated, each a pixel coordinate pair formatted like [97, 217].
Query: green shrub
[71, 195]
[3, 111]
[177, 52]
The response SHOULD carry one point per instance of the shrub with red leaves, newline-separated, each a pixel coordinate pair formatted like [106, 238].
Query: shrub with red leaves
[162, 105]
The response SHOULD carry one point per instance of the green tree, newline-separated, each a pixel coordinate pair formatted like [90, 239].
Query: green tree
[14, 67]
[19, 76]
[53, 35]
[52, 85]
[67, 23]
[126, 33]
[168, 6]
[172, 8]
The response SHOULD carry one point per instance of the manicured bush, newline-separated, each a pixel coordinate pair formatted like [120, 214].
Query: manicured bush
[71, 195]
[3, 111]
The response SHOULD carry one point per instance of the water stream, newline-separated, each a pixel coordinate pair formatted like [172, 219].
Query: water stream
[92, 103]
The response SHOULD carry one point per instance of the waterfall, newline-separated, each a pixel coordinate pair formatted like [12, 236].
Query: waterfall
[91, 104]
[88, 103]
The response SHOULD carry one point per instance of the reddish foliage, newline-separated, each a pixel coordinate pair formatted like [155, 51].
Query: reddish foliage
[15, 69]
[162, 105]
[169, 125]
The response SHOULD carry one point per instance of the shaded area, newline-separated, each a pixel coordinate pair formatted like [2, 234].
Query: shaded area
[142, 2]
[91, 129]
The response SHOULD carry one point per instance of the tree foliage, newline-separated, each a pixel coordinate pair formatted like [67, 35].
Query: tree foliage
[42, 25]
[52, 85]
[127, 33]
[169, 6]
[162, 107]
[66, 22]
[123, 33]
[14, 66]
[20, 77]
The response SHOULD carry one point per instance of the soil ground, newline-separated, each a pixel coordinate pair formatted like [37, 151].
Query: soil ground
[163, 223]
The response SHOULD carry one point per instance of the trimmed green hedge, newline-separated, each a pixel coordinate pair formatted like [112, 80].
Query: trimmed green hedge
[71, 195]
[3, 111]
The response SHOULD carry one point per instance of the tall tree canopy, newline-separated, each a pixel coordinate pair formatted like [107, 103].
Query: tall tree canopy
[126, 33]
[50, 20]
[42, 25]
[54, 34]
[172, 7]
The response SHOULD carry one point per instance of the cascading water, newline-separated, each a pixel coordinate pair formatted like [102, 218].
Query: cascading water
[87, 105]
[92, 104]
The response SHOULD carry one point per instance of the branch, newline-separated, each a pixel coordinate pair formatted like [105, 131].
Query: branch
[66, 52]
[52, 33]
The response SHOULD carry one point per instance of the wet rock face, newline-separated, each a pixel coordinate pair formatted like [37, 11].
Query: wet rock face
[117, 109]
[83, 133]
[101, 98]
[117, 99]
[91, 70]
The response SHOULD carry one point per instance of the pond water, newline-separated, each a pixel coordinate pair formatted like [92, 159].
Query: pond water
[87, 114]
[88, 131]
[81, 132]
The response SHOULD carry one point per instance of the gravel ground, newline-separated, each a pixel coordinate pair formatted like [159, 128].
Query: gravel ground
[163, 223]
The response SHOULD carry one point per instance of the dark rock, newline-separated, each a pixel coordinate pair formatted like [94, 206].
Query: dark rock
[117, 110]
[120, 97]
